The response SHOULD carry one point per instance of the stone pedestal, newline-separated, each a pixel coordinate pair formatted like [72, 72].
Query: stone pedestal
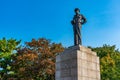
[77, 63]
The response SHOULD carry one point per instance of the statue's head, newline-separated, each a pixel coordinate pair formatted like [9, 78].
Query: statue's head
[77, 10]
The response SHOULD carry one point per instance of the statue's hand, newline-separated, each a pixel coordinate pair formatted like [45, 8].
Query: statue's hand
[83, 20]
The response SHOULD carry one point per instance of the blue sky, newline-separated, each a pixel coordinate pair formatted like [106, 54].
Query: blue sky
[27, 19]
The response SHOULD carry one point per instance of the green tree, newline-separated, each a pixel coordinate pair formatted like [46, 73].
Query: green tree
[37, 60]
[7, 49]
[109, 62]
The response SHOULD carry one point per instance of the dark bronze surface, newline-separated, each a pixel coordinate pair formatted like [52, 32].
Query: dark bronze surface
[77, 22]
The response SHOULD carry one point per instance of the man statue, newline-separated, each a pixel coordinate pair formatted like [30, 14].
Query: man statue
[77, 22]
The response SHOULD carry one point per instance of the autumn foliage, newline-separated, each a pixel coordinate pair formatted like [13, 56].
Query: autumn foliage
[109, 62]
[36, 60]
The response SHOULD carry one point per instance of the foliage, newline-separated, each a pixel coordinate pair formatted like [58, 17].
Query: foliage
[109, 62]
[36, 60]
[7, 49]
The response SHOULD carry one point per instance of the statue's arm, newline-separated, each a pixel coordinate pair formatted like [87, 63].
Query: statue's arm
[73, 21]
[83, 20]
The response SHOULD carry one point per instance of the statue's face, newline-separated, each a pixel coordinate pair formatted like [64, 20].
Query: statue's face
[77, 11]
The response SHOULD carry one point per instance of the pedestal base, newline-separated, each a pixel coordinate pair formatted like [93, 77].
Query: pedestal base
[77, 63]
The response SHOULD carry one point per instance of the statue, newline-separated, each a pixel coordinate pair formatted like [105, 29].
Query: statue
[77, 22]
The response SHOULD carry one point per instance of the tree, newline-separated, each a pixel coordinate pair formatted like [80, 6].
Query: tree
[7, 49]
[37, 60]
[109, 62]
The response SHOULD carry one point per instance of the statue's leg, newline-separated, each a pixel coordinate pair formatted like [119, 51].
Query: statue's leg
[79, 36]
[77, 39]
[80, 40]
[75, 36]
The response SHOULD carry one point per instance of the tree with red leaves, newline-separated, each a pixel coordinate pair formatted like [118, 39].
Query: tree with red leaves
[36, 61]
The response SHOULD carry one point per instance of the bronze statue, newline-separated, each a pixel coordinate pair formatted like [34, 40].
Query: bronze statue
[77, 22]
